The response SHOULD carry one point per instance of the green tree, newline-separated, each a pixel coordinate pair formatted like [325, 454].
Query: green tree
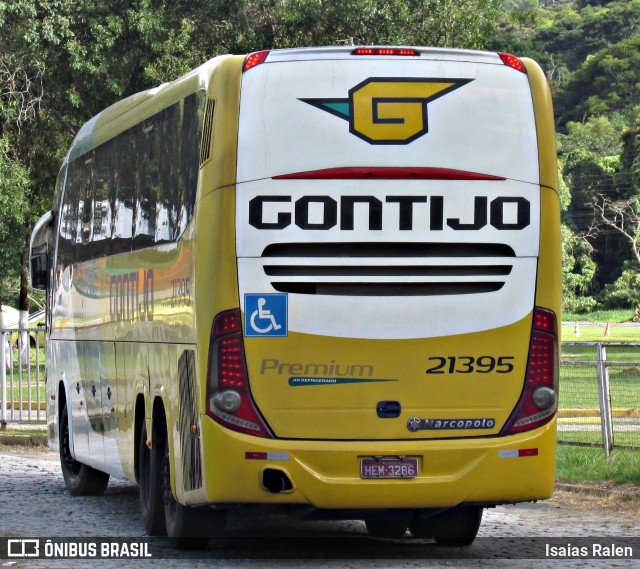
[576, 30]
[606, 83]
[630, 156]
[578, 272]
[14, 184]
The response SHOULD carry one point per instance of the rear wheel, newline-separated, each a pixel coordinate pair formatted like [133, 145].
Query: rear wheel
[150, 479]
[80, 479]
[188, 528]
[458, 526]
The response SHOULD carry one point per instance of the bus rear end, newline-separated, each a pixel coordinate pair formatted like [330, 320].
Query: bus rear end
[397, 241]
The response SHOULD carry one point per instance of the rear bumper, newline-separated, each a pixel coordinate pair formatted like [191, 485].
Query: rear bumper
[326, 474]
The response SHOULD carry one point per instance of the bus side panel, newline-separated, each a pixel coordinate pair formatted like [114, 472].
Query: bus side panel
[125, 405]
[545, 127]
[216, 286]
[549, 282]
[134, 363]
[65, 368]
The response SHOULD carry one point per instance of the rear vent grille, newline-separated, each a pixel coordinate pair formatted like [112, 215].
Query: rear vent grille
[205, 147]
[387, 269]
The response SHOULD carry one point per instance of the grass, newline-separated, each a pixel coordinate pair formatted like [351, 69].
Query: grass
[597, 333]
[583, 464]
[612, 316]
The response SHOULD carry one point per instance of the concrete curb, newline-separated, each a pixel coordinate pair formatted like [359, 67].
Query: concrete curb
[626, 495]
[22, 439]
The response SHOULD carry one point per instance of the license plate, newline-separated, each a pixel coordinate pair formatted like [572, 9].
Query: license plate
[389, 468]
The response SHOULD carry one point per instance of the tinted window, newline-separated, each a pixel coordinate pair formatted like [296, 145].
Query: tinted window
[136, 190]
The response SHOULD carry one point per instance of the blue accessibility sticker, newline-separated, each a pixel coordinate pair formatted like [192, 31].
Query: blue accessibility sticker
[266, 315]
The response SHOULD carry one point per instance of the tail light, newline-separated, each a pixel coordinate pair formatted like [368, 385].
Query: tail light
[512, 61]
[253, 59]
[229, 400]
[539, 400]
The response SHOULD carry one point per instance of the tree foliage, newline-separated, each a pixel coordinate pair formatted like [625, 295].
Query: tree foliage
[62, 61]
[608, 82]
[578, 272]
[14, 187]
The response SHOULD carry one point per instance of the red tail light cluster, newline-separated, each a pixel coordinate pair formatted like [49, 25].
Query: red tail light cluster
[229, 400]
[539, 400]
[512, 61]
[255, 58]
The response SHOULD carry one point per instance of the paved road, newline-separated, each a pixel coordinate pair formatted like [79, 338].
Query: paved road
[35, 504]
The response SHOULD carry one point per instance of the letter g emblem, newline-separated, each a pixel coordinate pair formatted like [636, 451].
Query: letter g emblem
[394, 110]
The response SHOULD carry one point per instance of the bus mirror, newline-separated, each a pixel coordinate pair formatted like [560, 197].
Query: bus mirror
[39, 251]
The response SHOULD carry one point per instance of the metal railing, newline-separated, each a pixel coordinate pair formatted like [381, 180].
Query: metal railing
[599, 402]
[22, 376]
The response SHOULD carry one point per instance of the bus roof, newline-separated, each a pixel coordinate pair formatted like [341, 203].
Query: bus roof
[138, 107]
[346, 52]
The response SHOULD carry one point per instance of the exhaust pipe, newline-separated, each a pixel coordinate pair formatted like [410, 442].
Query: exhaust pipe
[276, 481]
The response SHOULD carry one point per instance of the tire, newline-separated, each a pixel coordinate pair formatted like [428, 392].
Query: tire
[391, 528]
[188, 528]
[458, 526]
[150, 483]
[79, 478]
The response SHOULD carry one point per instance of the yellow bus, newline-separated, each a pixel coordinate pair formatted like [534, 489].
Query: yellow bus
[323, 278]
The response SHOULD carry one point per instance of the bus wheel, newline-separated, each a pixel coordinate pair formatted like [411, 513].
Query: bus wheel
[458, 526]
[391, 528]
[80, 479]
[150, 478]
[188, 528]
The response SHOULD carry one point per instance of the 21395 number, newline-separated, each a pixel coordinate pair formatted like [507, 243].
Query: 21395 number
[470, 364]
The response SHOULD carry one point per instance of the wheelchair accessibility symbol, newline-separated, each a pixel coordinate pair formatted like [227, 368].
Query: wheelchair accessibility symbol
[266, 315]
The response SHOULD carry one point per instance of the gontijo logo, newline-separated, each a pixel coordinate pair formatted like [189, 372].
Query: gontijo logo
[387, 110]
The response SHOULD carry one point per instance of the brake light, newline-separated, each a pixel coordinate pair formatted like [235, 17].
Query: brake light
[385, 51]
[539, 400]
[229, 400]
[512, 61]
[254, 59]
[387, 173]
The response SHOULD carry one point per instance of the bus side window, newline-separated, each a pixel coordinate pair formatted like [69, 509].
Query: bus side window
[69, 221]
[189, 156]
[169, 181]
[85, 204]
[65, 247]
[147, 142]
[103, 173]
[123, 193]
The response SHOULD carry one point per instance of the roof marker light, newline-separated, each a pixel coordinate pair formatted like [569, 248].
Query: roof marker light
[255, 58]
[512, 61]
[385, 51]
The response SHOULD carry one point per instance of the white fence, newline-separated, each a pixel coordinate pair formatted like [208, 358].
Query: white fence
[22, 376]
[599, 401]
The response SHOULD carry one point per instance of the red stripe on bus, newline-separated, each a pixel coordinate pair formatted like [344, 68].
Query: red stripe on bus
[387, 173]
